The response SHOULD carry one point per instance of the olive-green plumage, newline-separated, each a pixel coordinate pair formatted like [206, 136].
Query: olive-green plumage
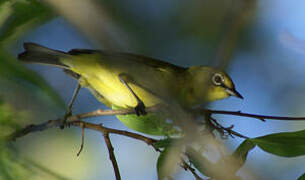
[153, 81]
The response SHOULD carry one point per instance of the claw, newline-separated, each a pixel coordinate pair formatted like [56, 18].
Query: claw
[64, 121]
[140, 109]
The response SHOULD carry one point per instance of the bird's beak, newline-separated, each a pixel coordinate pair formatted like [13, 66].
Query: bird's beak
[233, 92]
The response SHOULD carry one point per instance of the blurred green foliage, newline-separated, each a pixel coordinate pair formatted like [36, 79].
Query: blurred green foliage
[162, 173]
[19, 16]
[202, 164]
[31, 82]
[12, 164]
[16, 18]
[302, 177]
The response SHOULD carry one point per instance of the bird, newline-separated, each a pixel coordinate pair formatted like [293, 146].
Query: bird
[125, 81]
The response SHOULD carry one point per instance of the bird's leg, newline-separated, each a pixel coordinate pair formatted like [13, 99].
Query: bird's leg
[69, 110]
[140, 107]
[75, 93]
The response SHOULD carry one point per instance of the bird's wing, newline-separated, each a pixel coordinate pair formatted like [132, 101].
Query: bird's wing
[155, 63]
[157, 78]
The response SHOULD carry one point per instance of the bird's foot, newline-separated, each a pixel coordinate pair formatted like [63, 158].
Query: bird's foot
[140, 109]
[64, 120]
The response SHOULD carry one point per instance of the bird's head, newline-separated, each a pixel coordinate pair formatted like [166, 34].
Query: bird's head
[211, 84]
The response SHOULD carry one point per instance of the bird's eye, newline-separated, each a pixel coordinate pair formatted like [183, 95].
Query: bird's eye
[217, 79]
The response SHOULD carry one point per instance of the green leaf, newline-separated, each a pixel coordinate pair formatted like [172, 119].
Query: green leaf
[286, 144]
[241, 153]
[152, 123]
[302, 177]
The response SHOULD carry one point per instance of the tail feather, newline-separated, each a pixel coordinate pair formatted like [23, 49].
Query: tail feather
[35, 53]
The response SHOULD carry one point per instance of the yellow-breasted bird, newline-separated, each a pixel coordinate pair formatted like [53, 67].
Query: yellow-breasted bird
[123, 80]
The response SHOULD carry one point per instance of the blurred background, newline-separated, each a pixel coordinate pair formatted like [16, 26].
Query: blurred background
[260, 43]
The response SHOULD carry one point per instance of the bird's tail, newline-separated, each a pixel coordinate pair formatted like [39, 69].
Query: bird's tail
[35, 53]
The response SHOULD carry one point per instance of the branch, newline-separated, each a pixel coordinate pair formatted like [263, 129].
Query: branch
[56, 123]
[102, 129]
[112, 156]
[186, 167]
[74, 118]
[225, 131]
[255, 116]
[110, 112]
[106, 131]
[83, 140]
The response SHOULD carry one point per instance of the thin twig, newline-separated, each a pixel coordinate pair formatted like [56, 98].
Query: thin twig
[56, 123]
[229, 130]
[255, 116]
[101, 128]
[110, 112]
[106, 131]
[186, 166]
[112, 156]
[83, 139]
[74, 118]
[34, 128]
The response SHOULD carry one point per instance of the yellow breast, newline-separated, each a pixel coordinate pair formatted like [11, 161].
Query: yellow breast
[109, 85]
[105, 81]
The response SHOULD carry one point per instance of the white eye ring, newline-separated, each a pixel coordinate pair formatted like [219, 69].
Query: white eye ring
[217, 79]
